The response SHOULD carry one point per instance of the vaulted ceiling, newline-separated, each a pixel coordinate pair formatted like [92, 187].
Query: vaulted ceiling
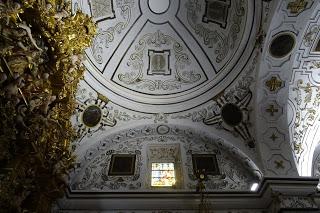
[241, 73]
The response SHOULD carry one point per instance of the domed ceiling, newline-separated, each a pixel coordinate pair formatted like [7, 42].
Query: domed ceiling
[171, 55]
[165, 72]
[168, 72]
[234, 77]
[216, 65]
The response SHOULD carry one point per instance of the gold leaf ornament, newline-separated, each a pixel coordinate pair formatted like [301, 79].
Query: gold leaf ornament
[42, 44]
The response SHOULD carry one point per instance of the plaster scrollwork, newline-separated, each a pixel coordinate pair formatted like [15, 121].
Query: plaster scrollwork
[97, 178]
[222, 42]
[314, 65]
[198, 115]
[310, 37]
[86, 100]
[105, 37]
[231, 178]
[307, 99]
[161, 117]
[163, 152]
[83, 93]
[162, 142]
[304, 89]
[111, 114]
[239, 127]
[238, 94]
[240, 90]
[121, 115]
[182, 75]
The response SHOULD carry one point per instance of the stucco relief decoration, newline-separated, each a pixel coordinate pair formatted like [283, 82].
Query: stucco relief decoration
[92, 115]
[233, 116]
[126, 116]
[274, 83]
[182, 74]
[304, 98]
[297, 6]
[307, 100]
[272, 111]
[233, 176]
[162, 143]
[86, 97]
[145, 58]
[96, 175]
[311, 36]
[273, 138]
[163, 153]
[222, 42]
[105, 37]
[102, 9]
[229, 111]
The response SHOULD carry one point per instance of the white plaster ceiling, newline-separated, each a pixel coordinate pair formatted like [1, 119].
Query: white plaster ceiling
[162, 62]
[158, 63]
[171, 55]
[289, 135]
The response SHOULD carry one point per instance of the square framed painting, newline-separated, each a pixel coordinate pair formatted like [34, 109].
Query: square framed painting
[207, 162]
[122, 164]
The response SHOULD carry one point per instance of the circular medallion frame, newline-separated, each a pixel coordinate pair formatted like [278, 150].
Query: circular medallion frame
[282, 45]
[91, 116]
[231, 114]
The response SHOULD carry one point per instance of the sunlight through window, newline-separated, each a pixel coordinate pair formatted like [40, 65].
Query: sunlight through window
[163, 174]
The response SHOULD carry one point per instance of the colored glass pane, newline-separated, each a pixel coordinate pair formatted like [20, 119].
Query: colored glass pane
[163, 174]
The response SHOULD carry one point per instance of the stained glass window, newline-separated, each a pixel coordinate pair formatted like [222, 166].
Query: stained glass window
[163, 174]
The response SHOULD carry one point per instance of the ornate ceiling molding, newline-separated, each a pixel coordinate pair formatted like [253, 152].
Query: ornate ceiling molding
[304, 97]
[93, 163]
[278, 96]
[169, 61]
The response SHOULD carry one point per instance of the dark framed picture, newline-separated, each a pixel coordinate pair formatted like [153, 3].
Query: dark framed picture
[122, 164]
[217, 12]
[207, 162]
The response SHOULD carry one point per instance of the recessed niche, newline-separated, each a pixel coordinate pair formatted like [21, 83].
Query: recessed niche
[231, 114]
[282, 45]
[205, 162]
[122, 164]
[91, 116]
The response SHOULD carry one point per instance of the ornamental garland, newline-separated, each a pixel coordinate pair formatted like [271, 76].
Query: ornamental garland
[41, 46]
